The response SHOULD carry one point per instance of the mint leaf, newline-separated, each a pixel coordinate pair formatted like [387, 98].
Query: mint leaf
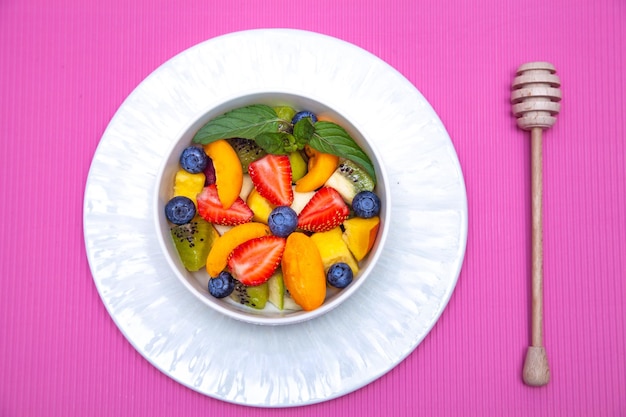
[332, 138]
[244, 122]
[303, 130]
[277, 143]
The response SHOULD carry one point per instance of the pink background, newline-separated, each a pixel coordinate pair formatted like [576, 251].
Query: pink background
[67, 65]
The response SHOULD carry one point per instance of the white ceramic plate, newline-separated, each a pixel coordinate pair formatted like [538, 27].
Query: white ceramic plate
[298, 364]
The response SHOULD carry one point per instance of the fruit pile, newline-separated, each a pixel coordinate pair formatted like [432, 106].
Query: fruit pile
[276, 205]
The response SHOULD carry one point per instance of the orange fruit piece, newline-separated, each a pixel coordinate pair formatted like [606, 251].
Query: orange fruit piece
[321, 167]
[225, 244]
[303, 271]
[360, 234]
[228, 171]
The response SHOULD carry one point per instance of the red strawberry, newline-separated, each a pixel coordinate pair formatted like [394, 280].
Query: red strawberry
[254, 261]
[271, 176]
[210, 209]
[325, 211]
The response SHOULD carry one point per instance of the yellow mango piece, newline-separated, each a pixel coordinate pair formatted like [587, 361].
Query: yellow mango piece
[360, 234]
[321, 167]
[303, 271]
[226, 243]
[228, 171]
[333, 249]
[188, 185]
[259, 206]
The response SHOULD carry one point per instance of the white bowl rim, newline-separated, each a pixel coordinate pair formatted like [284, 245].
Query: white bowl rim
[246, 314]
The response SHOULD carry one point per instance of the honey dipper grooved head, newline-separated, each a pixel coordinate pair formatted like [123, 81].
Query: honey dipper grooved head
[536, 95]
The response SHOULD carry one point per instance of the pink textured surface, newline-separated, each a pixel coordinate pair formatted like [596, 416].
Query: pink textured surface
[66, 66]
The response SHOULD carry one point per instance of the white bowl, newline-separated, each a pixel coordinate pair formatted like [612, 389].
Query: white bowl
[196, 282]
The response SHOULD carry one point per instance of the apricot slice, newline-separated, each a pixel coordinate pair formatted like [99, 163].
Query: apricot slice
[225, 244]
[333, 249]
[303, 271]
[360, 234]
[228, 171]
[321, 167]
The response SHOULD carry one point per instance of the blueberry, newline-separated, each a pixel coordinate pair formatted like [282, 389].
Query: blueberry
[366, 204]
[302, 114]
[193, 159]
[282, 221]
[339, 275]
[180, 210]
[222, 285]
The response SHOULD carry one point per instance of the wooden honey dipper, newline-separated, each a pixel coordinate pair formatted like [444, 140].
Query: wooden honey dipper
[536, 101]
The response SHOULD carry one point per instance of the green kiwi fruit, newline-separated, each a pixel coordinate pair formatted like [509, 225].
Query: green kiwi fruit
[349, 179]
[247, 150]
[193, 241]
[255, 297]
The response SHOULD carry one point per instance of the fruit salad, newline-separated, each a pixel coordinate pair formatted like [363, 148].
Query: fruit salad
[278, 207]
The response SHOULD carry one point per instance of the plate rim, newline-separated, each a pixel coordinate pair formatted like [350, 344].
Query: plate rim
[365, 379]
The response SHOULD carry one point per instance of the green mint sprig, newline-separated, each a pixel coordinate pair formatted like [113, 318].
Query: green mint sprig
[277, 136]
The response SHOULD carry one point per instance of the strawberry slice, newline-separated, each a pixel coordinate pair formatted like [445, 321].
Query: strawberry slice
[325, 211]
[254, 261]
[210, 208]
[271, 176]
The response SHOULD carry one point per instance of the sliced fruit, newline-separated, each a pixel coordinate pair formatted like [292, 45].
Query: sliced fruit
[277, 290]
[228, 171]
[224, 245]
[360, 234]
[193, 241]
[254, 261]
[246, 187]
[211, 209]
[271, 176]
[247, 151]
[320, 167]
[285, 112]
[303, 271]
[333, 249]
[289, 303]
[188, 185]
[325, 117]
[209, 172]
[255, 297]
[298, 166]
[349, 179]
[300, 200]
[259, 206]
[325, 211]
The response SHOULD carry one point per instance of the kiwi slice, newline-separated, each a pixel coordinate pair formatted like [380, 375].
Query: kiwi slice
[247, 150]
[349, 179]
[193, 241]
[255, 297]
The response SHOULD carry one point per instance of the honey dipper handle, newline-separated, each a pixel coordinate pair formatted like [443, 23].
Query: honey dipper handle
[536, 370]
[537, 236]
